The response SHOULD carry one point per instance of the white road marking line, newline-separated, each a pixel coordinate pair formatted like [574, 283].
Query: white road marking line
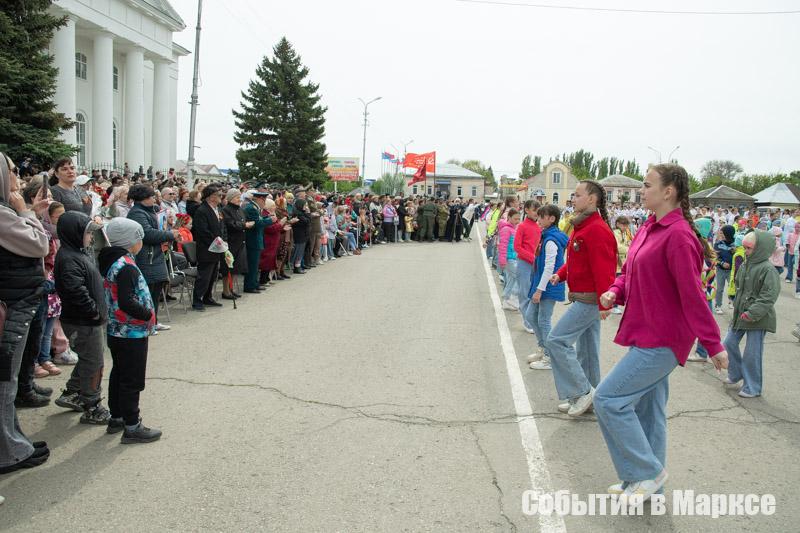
[528, 430]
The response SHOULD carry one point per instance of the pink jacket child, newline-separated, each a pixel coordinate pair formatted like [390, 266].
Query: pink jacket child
[777, 256]
[506, 232]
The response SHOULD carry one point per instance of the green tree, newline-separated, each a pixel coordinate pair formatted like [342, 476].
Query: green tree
[527, 169]
[722, 170]
[389, 184]
[30, 126]
[537, 165]
[281, 124]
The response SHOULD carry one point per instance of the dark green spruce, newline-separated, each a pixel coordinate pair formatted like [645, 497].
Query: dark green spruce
[29, 123]
[281, 123]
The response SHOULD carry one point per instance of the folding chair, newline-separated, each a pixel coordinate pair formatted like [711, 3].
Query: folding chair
[189, 273]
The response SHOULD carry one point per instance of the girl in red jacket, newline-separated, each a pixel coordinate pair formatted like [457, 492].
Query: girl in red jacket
[590, 268]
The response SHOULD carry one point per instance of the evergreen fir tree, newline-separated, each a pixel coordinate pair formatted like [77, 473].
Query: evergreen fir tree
[281, 124]
[29, 123]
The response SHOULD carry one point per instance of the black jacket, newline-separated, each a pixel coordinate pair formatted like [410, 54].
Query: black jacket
[300, 230]
[206, 227]
[150, 259]
[127, 281]
[78, 282]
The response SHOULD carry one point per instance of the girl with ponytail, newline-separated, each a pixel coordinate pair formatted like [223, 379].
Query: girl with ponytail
[665, 312]
[589, 269]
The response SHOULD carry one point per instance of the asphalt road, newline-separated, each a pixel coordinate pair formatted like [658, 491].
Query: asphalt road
[373, 394]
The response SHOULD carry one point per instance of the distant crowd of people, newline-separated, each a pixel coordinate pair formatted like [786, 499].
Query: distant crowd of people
[665, 262]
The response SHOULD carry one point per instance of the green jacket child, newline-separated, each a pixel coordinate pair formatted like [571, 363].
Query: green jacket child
[757, 286]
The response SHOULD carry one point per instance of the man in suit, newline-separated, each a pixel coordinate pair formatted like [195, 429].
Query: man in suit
[206, 227]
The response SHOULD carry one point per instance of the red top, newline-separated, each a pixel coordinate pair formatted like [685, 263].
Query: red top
[526, 240]
[591, 263]
[665, 301]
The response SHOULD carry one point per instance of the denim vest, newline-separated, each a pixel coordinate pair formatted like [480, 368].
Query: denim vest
[120, 323]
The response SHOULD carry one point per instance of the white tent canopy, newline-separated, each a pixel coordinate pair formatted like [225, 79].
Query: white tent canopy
[779, 194]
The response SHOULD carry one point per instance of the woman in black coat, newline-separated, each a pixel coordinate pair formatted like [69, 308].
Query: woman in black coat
[150, 259]
[235, 224]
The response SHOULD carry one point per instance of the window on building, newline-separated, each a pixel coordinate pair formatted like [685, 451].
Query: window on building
[80, 138]
[80, 65]
[474, 191]
[114, 141]
[458, 190]
[555, 198]
[414, 190]
[430, 190]
[115, 77]
[556, 178]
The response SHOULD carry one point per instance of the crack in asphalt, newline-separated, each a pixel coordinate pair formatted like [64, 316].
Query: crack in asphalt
[495, 482]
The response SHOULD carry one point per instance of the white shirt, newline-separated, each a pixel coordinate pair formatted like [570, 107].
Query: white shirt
[550, 252]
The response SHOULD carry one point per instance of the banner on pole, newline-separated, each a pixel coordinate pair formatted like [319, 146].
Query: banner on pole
[343, 168]
[428, 160]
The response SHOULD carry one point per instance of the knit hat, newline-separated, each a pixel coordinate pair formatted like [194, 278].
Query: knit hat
[703, 226]
[123, 232]
[232, 193]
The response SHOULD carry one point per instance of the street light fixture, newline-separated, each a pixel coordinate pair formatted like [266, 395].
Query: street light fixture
[669, 159]
[364, 144]
[657, 152]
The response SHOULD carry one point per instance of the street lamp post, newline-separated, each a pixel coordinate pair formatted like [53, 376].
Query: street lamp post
[364, 143]
[657, 152]
[193, 116]
[669, 159]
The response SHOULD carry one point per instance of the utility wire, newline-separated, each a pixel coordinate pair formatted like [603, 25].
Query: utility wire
[623, 10]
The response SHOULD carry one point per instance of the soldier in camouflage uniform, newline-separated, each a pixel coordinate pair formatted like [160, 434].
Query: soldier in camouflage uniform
[428, 220]
[442, 214]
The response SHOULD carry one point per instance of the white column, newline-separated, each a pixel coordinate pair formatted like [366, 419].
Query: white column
[102, 151]
[134, 109]
[161, 115]
[64, 97]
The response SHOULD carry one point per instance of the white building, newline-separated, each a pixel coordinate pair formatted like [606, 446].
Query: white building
[118, 79]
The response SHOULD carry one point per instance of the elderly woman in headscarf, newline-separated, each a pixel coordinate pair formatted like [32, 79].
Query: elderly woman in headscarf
[23, 245]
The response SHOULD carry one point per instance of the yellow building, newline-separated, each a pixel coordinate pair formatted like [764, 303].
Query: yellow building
[554, 185]
[450, 181]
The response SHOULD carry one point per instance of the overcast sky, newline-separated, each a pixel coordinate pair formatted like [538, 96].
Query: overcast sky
[495, 83]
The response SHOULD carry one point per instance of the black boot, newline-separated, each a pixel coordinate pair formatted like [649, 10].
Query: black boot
[140, 435]
[31, 400]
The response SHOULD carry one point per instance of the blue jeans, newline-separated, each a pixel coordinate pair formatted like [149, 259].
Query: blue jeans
[47, 339]
[574, 346]
[723, 276]
[541, 315]
[745, 365]
[701, 350]
[510, 271]
[631, 408]
[789, 260]
[524, 274]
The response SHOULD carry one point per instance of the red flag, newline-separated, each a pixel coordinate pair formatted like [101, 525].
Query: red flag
[420, 175]
[427, 159]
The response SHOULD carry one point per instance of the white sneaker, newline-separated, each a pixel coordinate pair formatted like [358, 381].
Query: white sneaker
[617, 488]
[529, 330]
[728, 384]
[788, 281]
[155, 332]
[535, 356]
[162, 327]
[508, 307]
[543, 364]
[718, 310]
[582, 404]
[797, 295]
[2, 500]
[639, 491]
[744, 394]
[66, 358]
[564, 407]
